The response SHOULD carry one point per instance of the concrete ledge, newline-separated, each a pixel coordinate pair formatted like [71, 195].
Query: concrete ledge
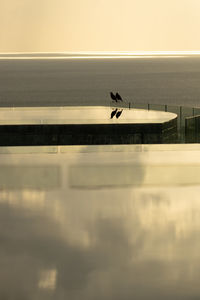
[99, 148]
[85, 126]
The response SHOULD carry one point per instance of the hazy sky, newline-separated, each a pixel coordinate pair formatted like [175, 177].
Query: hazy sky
[99, 25]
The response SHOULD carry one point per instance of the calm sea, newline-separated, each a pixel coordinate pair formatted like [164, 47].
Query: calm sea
[47, 82]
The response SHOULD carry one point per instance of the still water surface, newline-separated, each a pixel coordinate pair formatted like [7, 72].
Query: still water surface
[117, 222]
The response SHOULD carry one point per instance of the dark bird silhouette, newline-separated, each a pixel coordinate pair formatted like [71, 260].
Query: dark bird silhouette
[113, 113]
[118, 97]
[118, 114]
[113, 96]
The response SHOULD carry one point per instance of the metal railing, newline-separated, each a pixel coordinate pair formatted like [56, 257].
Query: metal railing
[182, 112]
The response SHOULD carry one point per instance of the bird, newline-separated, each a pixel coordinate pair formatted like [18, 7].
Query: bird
[113, 96]
[118, 97]
[113, 113]
[118, 114]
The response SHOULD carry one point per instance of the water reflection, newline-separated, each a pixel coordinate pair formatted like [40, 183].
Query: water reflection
[47, 279]
[81, 115]
[29, 177]
[133, 242]
[31, 200]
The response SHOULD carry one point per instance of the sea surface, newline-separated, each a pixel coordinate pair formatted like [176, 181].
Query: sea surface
[88, 81]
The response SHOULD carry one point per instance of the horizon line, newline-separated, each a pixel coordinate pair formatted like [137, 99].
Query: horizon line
[99, 53]
[95, 55]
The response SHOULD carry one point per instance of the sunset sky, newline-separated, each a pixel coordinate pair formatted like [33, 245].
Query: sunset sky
[99, 25]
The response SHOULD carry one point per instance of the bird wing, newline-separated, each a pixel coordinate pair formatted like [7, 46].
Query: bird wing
[113, 113]
[118, 97]
[118, 114]
[112, 96]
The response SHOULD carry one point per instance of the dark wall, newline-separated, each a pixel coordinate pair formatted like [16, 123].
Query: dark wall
[29, 135]
[192, 129]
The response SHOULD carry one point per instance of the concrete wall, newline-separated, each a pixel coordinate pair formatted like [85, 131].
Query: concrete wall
[24, 135]
[192, 129]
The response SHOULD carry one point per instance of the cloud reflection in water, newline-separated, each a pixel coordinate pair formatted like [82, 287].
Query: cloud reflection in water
[133, 242]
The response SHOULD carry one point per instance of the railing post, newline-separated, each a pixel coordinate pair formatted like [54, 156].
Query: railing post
[180, 117]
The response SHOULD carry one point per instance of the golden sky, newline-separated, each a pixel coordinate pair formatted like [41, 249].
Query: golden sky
[99, 25]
